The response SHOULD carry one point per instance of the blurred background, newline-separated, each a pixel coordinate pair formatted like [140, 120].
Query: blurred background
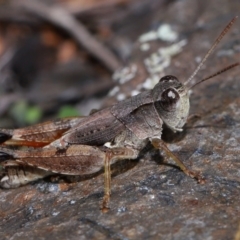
[57, 57]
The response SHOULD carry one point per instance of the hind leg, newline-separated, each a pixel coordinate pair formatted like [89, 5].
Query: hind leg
[24, 166]
[16, 175]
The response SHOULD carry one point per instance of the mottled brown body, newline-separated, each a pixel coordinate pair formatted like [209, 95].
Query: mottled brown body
[83, 145]
[87, 144]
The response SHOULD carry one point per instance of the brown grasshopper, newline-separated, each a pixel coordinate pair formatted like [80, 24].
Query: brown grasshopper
[83, 145]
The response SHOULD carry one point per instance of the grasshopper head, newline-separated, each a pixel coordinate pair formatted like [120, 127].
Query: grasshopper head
[171, 101]
[171, 98]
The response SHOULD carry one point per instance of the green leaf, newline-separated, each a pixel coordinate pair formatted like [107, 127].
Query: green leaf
[18, 111]
[24, 114]
[67, 111]
[33, 115]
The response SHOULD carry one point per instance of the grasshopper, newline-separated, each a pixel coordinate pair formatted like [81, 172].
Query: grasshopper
[84, 145]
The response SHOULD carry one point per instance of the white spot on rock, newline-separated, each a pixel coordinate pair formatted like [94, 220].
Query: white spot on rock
[151, 196]
[72, 202]
[121, 96]
[148, 84]
[166, 33]
[144, 47]
[158, 61]
[173, 49]
[125, 74]
[149, 36]
[134, 92]
[113, 91]
[55, 213]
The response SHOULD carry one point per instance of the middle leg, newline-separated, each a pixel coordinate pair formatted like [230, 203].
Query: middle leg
[113, 155]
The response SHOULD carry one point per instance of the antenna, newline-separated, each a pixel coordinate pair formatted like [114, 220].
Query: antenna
[225, 30]
[215, 74]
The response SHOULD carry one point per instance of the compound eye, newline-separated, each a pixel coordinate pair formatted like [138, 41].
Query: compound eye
[169, 99]
[168, 78]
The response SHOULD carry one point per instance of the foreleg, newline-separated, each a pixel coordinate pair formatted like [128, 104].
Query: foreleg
[159, 144]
